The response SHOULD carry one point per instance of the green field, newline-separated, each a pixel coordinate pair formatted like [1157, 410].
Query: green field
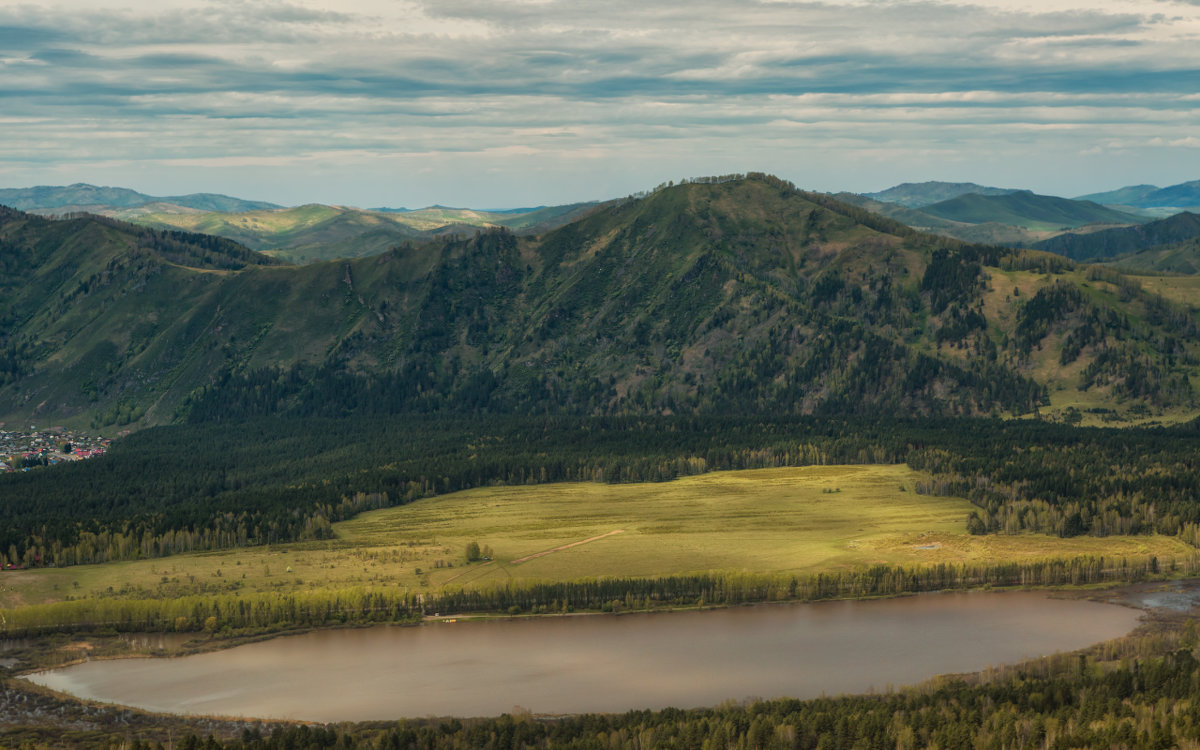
[800, 520]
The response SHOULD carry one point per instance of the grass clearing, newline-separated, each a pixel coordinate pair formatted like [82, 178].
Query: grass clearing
[801, 520]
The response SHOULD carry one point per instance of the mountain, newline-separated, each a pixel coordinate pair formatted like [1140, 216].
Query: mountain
[1186, 194]
[81, 196]
[1028, 210]
[987, 233]
[311, 233]
[918, 194]
[912, 217]
[299, 235]
[732, 295]
[1126, 196]
[1109, 243]
[1152, 199]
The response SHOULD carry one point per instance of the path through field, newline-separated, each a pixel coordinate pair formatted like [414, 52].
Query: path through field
[565, 546]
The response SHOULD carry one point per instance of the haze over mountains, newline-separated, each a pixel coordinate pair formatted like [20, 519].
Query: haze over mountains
[84, 197]
[734, 294]
[300, 234]
[964, 210]
[1021, 218]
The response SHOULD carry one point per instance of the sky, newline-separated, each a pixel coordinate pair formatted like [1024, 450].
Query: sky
[532, 102]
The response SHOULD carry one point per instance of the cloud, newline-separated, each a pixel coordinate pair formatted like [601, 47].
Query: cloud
[187, 84]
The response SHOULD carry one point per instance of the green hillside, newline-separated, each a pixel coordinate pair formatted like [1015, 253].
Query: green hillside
[1131, 195]
[740, 295]
[1177, 258]
[1109, 243]
[987, 233]
[911, 217]
[1028, 210]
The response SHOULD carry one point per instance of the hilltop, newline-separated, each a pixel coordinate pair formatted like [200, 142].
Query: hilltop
[920, 194]
[732, 295]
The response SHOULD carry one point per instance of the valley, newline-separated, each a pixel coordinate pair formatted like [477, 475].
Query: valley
[720, 392]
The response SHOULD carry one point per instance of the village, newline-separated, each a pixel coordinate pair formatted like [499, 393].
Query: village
[22, 451]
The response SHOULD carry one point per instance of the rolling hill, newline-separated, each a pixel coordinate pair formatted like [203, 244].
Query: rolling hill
[1028, 210]
[314, 232]
[1152, 200]
[1109, 243]
[1131, 195]
[301, 234]
[298, 235]
[84, 197]
[919, 194]
[739, 295]
[1177, 258]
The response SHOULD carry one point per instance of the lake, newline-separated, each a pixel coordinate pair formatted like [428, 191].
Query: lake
[603, 663]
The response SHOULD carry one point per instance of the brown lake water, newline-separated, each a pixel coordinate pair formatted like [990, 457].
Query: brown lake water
[603, 663]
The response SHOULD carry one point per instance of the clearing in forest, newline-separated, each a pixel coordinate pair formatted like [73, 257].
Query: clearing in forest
[801, 520]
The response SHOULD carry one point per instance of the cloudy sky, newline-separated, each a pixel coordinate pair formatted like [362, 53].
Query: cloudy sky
[527, 102]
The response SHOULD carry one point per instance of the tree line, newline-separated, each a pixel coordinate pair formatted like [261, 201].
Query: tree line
[239, 614]
[211, 486]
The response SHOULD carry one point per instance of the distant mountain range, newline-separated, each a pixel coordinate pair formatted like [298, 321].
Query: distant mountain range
[303, 234]
[999, 216]
[1175, 198]
[731, 295]
[1028, 210]
[919, 194]
[83, 197]
[964, 210]
[1149, 198]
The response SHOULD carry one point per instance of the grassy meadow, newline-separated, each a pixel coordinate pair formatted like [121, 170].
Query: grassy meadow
[789, 520]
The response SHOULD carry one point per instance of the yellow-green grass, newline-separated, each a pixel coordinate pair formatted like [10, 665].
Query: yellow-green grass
[801, 520]
[1184, 290]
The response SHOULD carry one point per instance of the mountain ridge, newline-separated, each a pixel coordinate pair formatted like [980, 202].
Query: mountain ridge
[81, 196]
[739, 294]
[1109, 243]
[1026, 209]
[921, 194]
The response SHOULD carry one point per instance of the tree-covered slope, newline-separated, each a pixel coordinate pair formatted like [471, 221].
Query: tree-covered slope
[1109, 243]
[1175, 258]
[739, 295]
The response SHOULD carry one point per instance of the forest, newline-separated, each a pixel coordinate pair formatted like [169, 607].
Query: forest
[239, 615]
[219, 485]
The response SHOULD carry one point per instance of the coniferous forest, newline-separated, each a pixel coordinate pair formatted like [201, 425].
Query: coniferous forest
[212, 486]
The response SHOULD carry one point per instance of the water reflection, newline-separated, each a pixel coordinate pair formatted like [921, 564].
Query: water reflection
[577, 664]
